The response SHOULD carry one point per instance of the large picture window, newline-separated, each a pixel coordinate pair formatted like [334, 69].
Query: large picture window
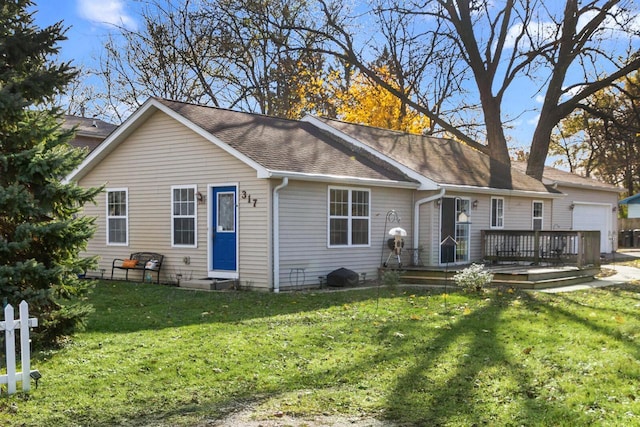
[497, 212]
[183, 216]
[117, 217]
[349, 217]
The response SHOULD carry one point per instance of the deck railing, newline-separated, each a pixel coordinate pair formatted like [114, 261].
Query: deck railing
[580, 248]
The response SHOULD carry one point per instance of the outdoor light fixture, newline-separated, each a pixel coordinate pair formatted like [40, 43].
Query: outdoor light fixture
[571, 206]
[474, 205]
[200, 197]
[36, 376]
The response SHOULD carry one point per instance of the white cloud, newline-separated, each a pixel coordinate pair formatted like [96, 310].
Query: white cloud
[106, 12]
[534, 120]
[624, 21]
[538, 31]
[539, 99]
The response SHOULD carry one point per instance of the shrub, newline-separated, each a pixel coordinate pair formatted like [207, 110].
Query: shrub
[473, 278]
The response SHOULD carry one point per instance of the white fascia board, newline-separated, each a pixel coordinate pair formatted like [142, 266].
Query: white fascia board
[584, 186]
[425, 183]
[501, 191]
[338, 179]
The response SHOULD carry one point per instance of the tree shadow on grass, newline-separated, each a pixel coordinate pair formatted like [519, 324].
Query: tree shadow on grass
[463, 368]
[465, 386]
[579, 314]
[462, 374]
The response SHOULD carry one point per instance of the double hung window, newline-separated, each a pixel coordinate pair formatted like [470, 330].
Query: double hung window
[183, 216]
[349, 217]
[117, 216]
[497, 212]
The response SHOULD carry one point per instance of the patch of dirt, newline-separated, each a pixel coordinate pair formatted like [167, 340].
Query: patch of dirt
[248, 415]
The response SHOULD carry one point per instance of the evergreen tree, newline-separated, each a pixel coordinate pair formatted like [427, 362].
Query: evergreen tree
[41, 229]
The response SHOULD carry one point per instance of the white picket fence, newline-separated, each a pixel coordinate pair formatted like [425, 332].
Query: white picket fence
[9, 327]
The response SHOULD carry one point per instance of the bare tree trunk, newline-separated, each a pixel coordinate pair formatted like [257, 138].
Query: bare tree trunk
[539, 150]
[498, 149]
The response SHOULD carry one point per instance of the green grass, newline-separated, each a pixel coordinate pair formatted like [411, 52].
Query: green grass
[155, 355]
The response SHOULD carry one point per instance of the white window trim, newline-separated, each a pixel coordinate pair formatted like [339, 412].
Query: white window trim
[349, 218]
[491, 219]
[194, 216]
[108, 217]
[468, 225]
[533, 218]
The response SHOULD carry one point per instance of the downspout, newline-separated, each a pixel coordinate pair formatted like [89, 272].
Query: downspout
[416, 215]
[276, 234]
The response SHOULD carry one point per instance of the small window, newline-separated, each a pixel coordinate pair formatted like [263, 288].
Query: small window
[349, 217]
[183, 216]
[117, 217]
[537, 214]
[497, 212]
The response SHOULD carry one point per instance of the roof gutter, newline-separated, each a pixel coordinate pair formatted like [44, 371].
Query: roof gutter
[340, 179]
[276, 234]
[416, 215]
[501, 191]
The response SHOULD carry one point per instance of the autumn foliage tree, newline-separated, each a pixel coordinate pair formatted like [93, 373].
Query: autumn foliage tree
[462, 57]
[366, 102]
[456, 62]
[603, 138]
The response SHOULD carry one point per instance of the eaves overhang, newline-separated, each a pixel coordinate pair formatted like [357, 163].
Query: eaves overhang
[339, 179]
[500, 191]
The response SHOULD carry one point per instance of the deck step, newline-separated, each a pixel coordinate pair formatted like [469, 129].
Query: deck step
[516, 281]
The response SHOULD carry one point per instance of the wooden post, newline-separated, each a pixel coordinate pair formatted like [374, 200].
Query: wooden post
[10, 348]
[25, 348]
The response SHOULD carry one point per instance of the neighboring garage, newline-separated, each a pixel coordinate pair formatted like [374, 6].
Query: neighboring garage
[594, 216]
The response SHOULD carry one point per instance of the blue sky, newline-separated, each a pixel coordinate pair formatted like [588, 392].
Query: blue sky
[91, 20]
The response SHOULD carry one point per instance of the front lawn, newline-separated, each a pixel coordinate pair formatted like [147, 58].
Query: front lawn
[156, 355]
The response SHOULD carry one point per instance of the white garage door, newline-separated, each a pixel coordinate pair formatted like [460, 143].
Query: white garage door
[588, 216]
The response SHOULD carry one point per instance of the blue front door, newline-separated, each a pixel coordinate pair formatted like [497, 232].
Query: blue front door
[224, 230]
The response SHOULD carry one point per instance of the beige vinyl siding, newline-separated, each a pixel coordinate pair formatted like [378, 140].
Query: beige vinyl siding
[162, 153]
[429, 230]
[303, 231]
[562, 215]
[518, 216]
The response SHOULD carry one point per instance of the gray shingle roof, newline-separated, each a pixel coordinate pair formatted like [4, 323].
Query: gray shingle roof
[563, 177]
[94, 128]
[442, 160]
[286, 145]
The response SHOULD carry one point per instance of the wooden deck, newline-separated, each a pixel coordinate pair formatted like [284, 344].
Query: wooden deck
[512, 275]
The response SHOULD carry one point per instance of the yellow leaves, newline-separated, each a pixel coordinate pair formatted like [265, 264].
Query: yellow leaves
[367, 103]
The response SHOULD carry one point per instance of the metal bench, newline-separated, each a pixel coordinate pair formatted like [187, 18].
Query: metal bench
[140, 261]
